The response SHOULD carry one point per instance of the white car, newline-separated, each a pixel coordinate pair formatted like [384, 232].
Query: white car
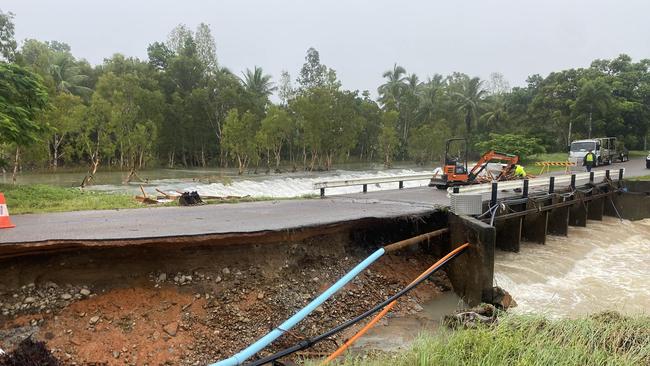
[647, 161]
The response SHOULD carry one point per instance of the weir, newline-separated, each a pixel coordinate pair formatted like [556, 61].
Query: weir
[548, 211]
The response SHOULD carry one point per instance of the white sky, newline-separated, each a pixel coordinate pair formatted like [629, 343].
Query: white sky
[359, 39]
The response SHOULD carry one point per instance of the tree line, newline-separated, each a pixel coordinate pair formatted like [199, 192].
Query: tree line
[181, 108]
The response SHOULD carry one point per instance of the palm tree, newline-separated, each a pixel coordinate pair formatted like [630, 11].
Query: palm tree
[67, 75]
[497, 111]
[412, 83]
[391, 92]
[409, 103]
[257, 83]
[593, 95]
[430, 95]
[469, 100]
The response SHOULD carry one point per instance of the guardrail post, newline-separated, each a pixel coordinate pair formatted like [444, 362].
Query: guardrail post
[365, 188]
[401, 184]
[573, 181]
[525, 190]
[620, 174]
[493, 199]
[322, 192]
[551, 185]
[591, 177]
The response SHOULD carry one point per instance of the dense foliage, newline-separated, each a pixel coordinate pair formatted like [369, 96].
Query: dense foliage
[519, 145]
[180, 107]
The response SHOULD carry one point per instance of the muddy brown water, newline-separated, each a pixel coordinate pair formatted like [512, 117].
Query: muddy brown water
[397, 333]
[605, 266]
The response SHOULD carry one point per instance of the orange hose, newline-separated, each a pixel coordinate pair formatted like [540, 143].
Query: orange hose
[386, 309]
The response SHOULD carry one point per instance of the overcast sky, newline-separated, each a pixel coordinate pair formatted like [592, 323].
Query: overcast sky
[359, 39]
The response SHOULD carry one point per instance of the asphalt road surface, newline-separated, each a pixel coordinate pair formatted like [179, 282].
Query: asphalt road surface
[234, 218]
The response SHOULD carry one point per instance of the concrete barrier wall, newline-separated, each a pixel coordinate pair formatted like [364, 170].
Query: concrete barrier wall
[472, 274]
[632, 204]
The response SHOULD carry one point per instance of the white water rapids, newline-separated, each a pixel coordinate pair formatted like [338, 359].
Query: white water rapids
[274, 186]
[605, 266]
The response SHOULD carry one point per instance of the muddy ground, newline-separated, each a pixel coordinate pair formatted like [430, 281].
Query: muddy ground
[193, 306]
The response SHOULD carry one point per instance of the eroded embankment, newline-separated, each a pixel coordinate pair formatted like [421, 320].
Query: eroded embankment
[196, 304]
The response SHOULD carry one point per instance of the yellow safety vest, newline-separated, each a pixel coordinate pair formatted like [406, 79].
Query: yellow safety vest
[519, 171]
[590, 157]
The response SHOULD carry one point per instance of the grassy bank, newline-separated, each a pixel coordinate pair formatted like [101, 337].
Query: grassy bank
[643, 178]
[40, 198]
[602, 339]
[638, 153]
[538, 158]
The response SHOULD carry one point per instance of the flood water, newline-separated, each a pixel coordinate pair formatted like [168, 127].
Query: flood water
[395, 333]
[226, 182]
[605, 266]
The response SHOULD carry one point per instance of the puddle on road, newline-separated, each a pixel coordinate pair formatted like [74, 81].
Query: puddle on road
[397, 333]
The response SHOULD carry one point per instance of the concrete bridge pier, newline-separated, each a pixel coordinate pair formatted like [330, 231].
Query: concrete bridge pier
[596, 209]
[578, 212]
[535, 225]
[633, 204]
[508, 234]
[472, 274]
[558, 219]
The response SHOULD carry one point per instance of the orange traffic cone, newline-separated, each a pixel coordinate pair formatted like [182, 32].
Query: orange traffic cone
[5, 222]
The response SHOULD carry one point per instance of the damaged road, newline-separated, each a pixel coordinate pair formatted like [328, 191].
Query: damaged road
[196, 317]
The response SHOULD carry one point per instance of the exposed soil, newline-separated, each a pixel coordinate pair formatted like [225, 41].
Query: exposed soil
[206, 309]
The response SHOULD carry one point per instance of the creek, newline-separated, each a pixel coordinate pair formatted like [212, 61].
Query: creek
[226, 182]
[605, 266]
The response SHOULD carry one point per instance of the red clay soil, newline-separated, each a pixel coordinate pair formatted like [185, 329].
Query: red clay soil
[198, 317]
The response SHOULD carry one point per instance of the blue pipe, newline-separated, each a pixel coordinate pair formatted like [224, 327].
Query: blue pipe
[251, 350]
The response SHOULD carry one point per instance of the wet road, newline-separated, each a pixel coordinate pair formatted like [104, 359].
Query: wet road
[233, 218]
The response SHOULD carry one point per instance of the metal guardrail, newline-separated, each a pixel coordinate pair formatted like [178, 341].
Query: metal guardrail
[365, 181]
[490, 191]
[579, 178]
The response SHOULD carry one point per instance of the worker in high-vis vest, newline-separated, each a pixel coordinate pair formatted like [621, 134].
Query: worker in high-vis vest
[589, 160]
[519, 170]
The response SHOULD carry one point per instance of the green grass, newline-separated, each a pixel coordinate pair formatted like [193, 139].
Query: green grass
[643, 178]
[39, 198]
[558, 157]
[602, 339]
[638, 153]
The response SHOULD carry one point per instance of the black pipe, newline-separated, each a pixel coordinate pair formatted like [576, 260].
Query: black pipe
[311, 341]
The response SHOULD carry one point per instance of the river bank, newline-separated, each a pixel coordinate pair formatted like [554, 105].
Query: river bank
[40, 198]
[606, 338]
[565, 283]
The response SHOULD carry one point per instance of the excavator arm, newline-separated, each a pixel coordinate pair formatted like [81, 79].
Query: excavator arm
[489, 156]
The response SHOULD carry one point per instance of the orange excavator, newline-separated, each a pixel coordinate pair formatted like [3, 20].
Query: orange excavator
[455, 173]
